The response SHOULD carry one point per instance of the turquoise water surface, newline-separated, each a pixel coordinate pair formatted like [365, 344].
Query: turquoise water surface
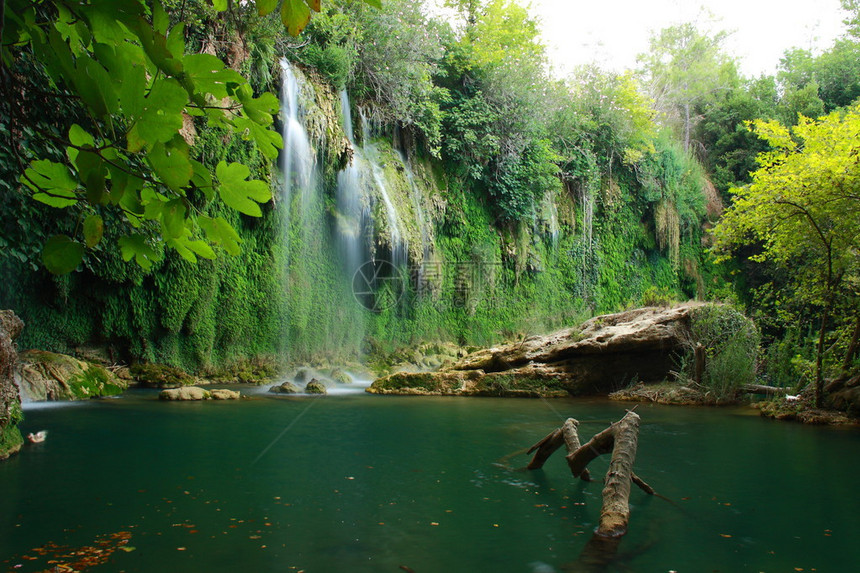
[362, 483]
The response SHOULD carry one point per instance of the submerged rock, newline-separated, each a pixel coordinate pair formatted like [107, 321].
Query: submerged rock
[315, 387]
[285, 388]
[600, 356]
[340, 376]
[10, 401]
[185, 393]
[45, 375]
[303, 375]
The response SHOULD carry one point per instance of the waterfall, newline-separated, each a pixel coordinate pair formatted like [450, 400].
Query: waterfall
[350, 217]
[297, 158]
[364, 172]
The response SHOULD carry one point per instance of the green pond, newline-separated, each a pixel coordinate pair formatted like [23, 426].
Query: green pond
[355, 482]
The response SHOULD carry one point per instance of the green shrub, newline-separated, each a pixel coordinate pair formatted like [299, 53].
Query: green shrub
[730, 341]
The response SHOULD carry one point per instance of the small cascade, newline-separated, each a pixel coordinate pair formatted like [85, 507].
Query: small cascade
[550, 214]
[415, 196]
[399, 246]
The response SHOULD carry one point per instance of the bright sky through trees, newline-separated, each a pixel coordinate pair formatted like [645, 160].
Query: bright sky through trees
[612, 32]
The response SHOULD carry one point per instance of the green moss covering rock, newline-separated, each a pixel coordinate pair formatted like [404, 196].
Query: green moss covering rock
[315, 387]
[160, 376]
[50, 376]
[285, 388]
[10, 401]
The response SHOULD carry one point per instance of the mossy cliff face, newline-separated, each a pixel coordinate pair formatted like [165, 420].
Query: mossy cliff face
[10, 401]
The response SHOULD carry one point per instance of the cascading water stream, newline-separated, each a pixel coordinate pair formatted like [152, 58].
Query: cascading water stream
[399, 247]
[297, 158]
[350, 217]
[415, 195]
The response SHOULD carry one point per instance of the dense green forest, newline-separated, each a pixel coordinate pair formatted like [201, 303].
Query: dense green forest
[154, 203]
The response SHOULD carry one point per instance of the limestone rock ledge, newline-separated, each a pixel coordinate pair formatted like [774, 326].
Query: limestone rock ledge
[603, 354]
[45, 375]
[10, 401]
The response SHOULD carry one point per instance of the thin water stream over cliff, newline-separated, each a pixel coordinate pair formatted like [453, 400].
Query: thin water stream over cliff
[362, 483]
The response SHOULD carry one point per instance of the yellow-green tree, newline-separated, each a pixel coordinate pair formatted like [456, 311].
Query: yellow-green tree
[803, 210]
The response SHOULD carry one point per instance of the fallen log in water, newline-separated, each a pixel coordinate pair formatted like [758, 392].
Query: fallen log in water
[762, 389]
[621, 439]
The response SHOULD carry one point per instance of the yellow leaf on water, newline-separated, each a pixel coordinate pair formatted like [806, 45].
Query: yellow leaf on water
[726, 535]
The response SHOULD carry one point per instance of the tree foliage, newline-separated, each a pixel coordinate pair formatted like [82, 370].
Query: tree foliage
[800, 209]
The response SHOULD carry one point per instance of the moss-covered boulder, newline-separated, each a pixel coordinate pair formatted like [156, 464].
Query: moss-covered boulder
[45, 375]
[340, 376]
[186, 393]
[151, 375]
[285, 388]
[10, 401]
[315, 387]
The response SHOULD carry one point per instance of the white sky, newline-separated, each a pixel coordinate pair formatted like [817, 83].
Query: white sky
[613, 32]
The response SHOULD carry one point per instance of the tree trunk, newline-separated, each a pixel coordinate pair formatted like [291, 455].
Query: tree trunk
[762, 389]
[568, 435]
[818, 389]
[615, 513]
[699, 353]
[852, 346]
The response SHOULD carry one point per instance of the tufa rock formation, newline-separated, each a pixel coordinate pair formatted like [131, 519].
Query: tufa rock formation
[45, 375]
[602, 355]
[10, 401]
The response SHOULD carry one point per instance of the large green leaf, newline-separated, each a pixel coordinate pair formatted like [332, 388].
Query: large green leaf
[220, 232]
[132, 90]
[173, 218]
[295, 15]
[52, 183]
[92, 172]
[162, 115]
[93, 230]
[239, 194]
[210, 75]
[61, 255]
[268, 141]
[134, 246]
[171, 163]
[266, 6]
[79, 137]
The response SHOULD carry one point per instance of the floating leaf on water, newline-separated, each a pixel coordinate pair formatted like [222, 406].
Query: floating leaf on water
[128, 548]
[726, 535]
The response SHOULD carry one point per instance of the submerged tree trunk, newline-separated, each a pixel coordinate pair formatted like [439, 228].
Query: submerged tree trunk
[615, 513]
[621, 439]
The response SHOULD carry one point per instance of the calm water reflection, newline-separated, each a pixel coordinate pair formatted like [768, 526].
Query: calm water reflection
[363, 483]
